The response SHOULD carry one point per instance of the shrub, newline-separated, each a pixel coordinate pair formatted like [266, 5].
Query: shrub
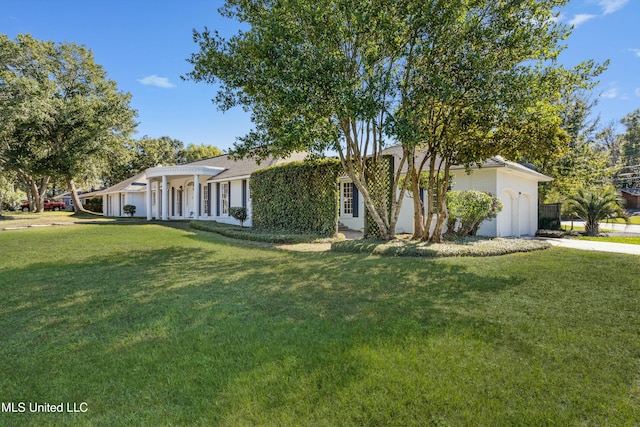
[297, 197]
[469, 209]
[129, 209]
[93, 205]
[594, 206]
[468, 246]
[239, 213]
[242, 233]
[550, 233]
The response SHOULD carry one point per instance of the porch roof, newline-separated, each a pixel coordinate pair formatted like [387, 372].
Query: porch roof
[183, 170]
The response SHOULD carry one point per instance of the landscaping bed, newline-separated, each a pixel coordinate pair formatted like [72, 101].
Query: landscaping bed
[247, 233]
[472, 246]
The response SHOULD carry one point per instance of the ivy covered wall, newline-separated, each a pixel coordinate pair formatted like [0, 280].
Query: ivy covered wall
[297, 197]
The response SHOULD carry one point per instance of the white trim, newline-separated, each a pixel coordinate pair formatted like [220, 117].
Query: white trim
[160, 171]
[227, 179]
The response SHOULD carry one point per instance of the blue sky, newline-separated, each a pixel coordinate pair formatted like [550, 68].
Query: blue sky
[143, 45]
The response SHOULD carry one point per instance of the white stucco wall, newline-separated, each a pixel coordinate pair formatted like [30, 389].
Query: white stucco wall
[481, 180]
[139, 201]
[235, 192]
[517, 191]
[519, 195]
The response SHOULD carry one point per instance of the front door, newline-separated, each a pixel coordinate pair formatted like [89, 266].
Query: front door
[189, 205]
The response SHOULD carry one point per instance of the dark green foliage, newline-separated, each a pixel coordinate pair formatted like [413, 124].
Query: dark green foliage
[382, 175]
[93, 205]
[241, 233]
[129, 210]
[557, 234]
[594, 206]
[299, 197]
[239, 213]
[469, 209]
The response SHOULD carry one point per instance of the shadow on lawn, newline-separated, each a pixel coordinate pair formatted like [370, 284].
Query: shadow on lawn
[195, 327]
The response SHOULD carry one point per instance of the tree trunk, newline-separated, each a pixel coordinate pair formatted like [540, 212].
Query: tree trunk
[418, 206]
[77, 204]
[442, 186]
[34, 199]
[431, 187]
[44, 183]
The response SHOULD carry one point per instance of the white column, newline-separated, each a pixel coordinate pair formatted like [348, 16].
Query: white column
[165, 199]
[149, 206]
[157, 185]
[196, 196]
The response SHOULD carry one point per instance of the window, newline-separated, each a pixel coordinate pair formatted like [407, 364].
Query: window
[224, 198]
[347, 198]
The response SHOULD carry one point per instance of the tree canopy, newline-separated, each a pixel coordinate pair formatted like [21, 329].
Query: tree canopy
[61, 115]
[148, 152]
[451, 81]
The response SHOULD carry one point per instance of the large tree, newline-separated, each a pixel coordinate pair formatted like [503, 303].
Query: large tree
[193, 152]
[62, 116]
[452, 81]
[148, 152]
[483, 81]
[317, 76]
[585, 160]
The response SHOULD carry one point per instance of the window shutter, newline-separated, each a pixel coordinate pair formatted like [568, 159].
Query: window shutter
[422, 194]
[228, 196]
[173, 201]
[209, 199]
[218, 199]
[356, 200]
[244, 193]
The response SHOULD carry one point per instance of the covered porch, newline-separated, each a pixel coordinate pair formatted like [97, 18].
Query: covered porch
[177, 191]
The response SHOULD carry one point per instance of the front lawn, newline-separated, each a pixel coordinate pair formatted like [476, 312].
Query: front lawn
[632, 240]
[152, 325]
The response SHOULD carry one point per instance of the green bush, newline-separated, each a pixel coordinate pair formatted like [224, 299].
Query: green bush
[297, 197]
[129, 209]
[93, 205]
[239, 213]
[468, 209]
[237, 232]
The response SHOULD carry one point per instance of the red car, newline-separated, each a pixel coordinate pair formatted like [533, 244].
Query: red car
[49, 205]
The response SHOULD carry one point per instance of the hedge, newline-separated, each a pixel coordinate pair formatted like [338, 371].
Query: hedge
[297, 197]
[245, 233]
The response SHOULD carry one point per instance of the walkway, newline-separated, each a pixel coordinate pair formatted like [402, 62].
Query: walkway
[589, 245]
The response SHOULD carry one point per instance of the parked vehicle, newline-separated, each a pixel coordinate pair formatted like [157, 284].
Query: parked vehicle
[49, 205]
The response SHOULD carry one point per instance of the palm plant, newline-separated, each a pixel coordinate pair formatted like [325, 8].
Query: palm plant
[595, 206]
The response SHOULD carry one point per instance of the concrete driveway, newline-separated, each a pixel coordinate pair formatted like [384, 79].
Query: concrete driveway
[604, 227]
[588, 245]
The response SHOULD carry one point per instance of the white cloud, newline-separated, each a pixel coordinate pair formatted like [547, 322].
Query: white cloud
[610, 6]
[636, 52]
[154, 80]
[610, 93]
[581, 19]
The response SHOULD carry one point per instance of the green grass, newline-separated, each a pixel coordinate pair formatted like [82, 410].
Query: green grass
[28, 219]
[152, 325]
[632, 240]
